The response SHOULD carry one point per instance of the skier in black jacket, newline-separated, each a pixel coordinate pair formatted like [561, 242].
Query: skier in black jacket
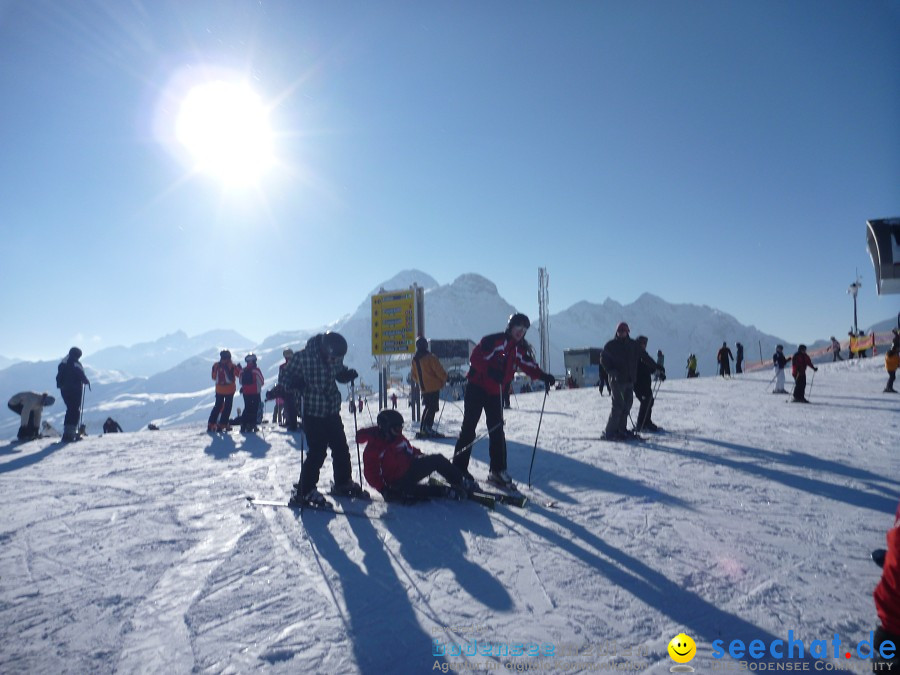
[620, 359]
[71, 380]
[643, 389]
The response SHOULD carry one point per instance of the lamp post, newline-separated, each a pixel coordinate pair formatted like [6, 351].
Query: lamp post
[853, 290]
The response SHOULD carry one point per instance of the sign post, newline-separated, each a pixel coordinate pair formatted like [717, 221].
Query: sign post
[397, 319]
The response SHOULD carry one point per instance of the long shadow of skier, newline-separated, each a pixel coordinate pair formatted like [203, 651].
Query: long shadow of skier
[814, 486]
[385, 631]
[220, 447]
[696, 617]
[554, 468]
[32, 458]
[429, 541]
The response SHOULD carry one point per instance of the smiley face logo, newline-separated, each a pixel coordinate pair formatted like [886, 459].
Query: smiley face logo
[682, 648]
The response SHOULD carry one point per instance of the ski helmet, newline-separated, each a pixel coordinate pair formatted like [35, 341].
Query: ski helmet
[388, 420]
[250, 358]
[334, 346]
[422, 344]
[518, 319]
[801, 348]
[622, 328]
[75, 353]
[225, 354]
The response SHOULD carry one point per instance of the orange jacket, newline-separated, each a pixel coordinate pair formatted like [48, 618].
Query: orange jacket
[226, 374]
[433, 374]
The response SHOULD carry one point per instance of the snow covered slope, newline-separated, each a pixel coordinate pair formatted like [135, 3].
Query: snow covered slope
[751, 518]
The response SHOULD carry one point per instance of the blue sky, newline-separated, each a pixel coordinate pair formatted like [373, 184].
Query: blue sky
[714, 152]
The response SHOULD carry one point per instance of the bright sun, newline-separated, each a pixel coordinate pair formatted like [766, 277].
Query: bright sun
[225, 127]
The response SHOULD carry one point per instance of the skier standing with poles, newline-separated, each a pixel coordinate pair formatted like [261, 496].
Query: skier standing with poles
[494, 362]
[779, 360]
[430, 375]
[643, 388]
[71, 380]
[801, 362]
[313, 371]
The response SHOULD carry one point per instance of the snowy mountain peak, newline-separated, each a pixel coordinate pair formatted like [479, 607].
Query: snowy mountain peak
[474, 283]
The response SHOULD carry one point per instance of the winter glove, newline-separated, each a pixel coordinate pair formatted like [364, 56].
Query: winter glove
[346, 376]
[548, 379]
[815, 369]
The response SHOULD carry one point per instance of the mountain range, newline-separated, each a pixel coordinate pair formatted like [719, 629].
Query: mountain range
[167, 381]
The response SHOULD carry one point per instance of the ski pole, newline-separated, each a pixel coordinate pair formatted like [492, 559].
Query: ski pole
[772, 380]
[540, 419]
[81, 411]
[443, 405]
[467, 446]
[356, 430]
[812, 381]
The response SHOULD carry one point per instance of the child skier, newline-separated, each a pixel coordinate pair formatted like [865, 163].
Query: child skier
[394, 467]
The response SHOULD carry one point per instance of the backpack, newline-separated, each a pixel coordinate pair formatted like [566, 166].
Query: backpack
[60, 378]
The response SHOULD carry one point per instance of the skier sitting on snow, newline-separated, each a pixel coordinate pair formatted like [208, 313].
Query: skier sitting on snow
[394, 467]
[29, 405]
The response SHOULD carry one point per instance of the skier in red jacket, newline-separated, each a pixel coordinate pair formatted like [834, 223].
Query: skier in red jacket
[799, 363]
[494, 362]
[394, 467]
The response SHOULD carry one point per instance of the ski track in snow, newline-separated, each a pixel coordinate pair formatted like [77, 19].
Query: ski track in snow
[138, 552]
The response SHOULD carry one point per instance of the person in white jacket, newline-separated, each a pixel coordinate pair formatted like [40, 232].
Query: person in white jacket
[30, 405]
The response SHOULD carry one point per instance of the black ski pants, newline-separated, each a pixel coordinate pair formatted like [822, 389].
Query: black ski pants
[622, 398]
[432, 402]
[800, 387]
[646, 409]
[221, 411]
[323, 433]
[422, 467]
[476, 401]
[72, 399]
[251, 412]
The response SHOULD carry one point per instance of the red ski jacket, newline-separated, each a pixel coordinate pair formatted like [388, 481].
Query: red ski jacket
[385, 461]
[496, 358]
[800, 362]
[887, 592]
[252, 380]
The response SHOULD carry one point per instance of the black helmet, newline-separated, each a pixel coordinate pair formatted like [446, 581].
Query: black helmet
[388, 420]
[225, 354]
[422, 344]
[801, 348]
[334, 346]
[75, 353]
[250, 358]
[518, 319]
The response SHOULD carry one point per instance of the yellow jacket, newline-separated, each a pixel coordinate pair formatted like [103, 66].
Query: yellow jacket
[433, 372]
[891, 362]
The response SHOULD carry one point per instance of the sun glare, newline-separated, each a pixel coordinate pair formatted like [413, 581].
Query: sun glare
[225, 127]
